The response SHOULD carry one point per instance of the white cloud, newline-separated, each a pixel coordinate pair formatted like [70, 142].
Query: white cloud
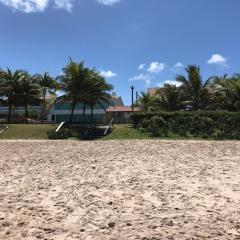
[108, 74]
[171, 82]
[177, 67]
[108, 2]
[142, 77]
[64, 4]
[148, 82]
[218, 59]
[29, 6]
[156, 67]
[26, 6]
[141, 66]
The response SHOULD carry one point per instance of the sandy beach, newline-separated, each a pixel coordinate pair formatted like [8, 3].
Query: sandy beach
[147, 190]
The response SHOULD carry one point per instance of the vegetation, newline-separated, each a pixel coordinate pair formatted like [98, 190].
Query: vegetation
[48, 87]
[193, 94]
[79, 84]
[64, 133]
[123, 131]
[10, 87]
[31, 131]
[84, 85]
[198, 124]
[28, 92]
[147, 102]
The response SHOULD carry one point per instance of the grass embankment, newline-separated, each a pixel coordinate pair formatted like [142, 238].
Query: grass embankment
[30, 131]
[123, 131]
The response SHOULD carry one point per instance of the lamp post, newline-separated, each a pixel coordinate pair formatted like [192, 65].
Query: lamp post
[132, 88]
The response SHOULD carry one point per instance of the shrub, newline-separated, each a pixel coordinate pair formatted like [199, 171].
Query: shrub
[64, 133]
[201, 124]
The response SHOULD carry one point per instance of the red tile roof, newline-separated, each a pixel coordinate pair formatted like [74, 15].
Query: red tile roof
[122, 109]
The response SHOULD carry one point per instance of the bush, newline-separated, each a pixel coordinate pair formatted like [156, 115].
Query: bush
[201, 124]
[64, 133]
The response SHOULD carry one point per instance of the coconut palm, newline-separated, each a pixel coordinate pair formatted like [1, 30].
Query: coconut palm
[29, 92]
[98, 91]
[10, 88]
[147, 102]
[228, 90]
[195, 91]
[48, 87]
[73, 83]
[169, 98]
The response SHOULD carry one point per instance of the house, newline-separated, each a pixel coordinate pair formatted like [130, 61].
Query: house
[61, 110]
[120, 114]
[19, 110]
[153, 91]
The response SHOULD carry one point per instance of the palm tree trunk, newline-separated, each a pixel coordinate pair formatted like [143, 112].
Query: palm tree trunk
[43, 107]
[91, 114]
[72, 111]
[84, 109]
[9, 113]
[26, 113]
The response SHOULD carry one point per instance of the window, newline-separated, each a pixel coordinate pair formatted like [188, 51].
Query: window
[53, 118]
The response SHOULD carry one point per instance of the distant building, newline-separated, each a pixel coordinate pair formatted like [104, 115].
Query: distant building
[18, 110]
[153, 91]
[120, 114]
[61, 110]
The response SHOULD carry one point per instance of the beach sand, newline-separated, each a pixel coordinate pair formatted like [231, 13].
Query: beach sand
[148, 190]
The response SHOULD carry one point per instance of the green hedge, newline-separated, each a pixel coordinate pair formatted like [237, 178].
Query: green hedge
[201, 124]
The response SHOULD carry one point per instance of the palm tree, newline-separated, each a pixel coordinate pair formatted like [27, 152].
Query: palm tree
[29, 92]
[73, 83]
[169, 98]
[48, 87]
[10, 88]
[98, 91]
[228, 90]
[194, 90]
[147, 102]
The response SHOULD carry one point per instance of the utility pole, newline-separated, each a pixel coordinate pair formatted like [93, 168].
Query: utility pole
[132, 88]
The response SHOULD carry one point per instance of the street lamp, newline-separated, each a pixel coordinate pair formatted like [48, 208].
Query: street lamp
[132, 88]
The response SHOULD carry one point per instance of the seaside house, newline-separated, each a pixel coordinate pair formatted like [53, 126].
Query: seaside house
[120, 114]
[61, 110]
[19, 110]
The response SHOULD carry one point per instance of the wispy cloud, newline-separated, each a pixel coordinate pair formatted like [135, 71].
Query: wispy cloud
[156, 67]
[142, 66]
[26, 6]
[177, 67]
[31, 6]
[218, 59]
[108, 74]
[64, 4]
[149, 71]
[108, 2]
[142, 77]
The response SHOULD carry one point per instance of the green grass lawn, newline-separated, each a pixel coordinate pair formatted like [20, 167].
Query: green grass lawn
[123, 131]
[30, 131]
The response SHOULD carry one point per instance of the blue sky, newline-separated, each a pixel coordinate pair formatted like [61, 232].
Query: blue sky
[139, 42]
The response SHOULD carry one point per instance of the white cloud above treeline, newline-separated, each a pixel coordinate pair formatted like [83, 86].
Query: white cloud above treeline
[171, 82]
[108, 74]
[156, 67]
[218, 59]
[30, 6]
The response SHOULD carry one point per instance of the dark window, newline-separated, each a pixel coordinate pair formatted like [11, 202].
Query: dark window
[53, 118]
